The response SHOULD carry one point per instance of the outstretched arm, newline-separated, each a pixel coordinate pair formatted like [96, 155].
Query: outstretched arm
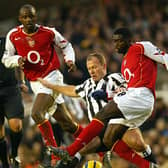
[155, 53]
[68, 90]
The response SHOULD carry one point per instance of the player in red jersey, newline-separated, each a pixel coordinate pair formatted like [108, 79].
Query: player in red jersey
[94, 91]
[31, 47]
[130, 108]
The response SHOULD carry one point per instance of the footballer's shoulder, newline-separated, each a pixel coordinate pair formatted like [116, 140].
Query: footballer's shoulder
[14, 32]
[137, 47]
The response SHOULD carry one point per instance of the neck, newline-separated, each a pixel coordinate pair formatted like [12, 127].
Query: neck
[30, 31]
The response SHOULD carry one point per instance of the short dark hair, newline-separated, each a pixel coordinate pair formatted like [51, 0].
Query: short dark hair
[124, 32]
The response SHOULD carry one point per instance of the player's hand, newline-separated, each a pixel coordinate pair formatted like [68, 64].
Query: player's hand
[120, 89]
[99, 95]
[21, 62]
[44, 82]
[24, 88]
[71, 66]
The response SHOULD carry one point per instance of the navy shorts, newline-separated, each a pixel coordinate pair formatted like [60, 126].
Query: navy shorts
[11, 105]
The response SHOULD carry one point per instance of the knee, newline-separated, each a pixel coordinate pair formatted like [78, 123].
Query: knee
[140, 146]
[137, 144]
[37, 116]
[15, 125]
[16, 128]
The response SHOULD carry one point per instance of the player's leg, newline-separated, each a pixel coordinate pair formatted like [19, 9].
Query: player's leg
[135, 107]
[41, 105]
[3, 144]
[134, 139]
[14, 112]
[95, 145]
[95, 127]
[15, 133]
[63, 117]
[116, 131]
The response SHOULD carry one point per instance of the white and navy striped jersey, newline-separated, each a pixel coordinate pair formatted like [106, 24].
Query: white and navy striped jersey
[109, 84]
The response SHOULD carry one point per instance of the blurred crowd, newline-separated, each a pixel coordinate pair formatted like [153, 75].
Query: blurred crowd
[88, 25]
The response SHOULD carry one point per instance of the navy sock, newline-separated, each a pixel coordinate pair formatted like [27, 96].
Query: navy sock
[3, 153]
[15, 138]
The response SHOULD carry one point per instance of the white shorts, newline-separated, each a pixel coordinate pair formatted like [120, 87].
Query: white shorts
[54, 77]
[136, 105]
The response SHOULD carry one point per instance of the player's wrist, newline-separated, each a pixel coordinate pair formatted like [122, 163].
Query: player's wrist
[21, 82]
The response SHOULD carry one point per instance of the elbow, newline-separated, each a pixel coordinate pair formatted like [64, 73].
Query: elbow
[7, 64]
[4, 62]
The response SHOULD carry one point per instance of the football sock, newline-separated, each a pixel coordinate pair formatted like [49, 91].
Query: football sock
[15, 139]
[148, 155]
[47, 133]
[78, 131]
[92, 130]
[78, 156]
[128, 154]
[3, 152]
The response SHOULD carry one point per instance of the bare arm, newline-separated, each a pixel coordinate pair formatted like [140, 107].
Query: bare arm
[68, 90]
[21, 80]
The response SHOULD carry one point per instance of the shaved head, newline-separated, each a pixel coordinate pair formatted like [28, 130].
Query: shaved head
[27, 7]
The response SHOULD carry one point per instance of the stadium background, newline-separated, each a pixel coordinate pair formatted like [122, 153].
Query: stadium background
[88, 25]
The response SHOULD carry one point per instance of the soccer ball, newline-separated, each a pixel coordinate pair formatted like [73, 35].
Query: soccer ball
[92, 164]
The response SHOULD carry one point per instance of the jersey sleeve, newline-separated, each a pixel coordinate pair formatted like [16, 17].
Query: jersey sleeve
[66, 47]
[80, 90]
[114, 82]
[10, 59]
[155, 53]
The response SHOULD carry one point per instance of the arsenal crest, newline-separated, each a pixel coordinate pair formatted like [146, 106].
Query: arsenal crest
[30, 41]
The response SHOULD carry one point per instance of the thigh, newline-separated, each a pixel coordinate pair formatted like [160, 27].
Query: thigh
[136, 105]
[40, 91]
[42, 103]
[134, 139]
[110, 110]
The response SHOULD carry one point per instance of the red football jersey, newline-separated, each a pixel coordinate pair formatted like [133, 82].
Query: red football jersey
[38, 49]
[138, 69]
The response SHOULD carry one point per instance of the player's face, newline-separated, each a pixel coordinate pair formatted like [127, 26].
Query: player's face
[120, 45]
[28, 18]
[96, 70]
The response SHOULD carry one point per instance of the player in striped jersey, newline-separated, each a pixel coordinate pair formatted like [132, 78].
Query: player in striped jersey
[107, 86]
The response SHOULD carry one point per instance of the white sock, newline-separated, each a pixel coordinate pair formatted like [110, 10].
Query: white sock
[78, 156]
[147, 152]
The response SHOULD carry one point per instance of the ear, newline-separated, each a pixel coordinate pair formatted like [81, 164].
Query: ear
[105, 66]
